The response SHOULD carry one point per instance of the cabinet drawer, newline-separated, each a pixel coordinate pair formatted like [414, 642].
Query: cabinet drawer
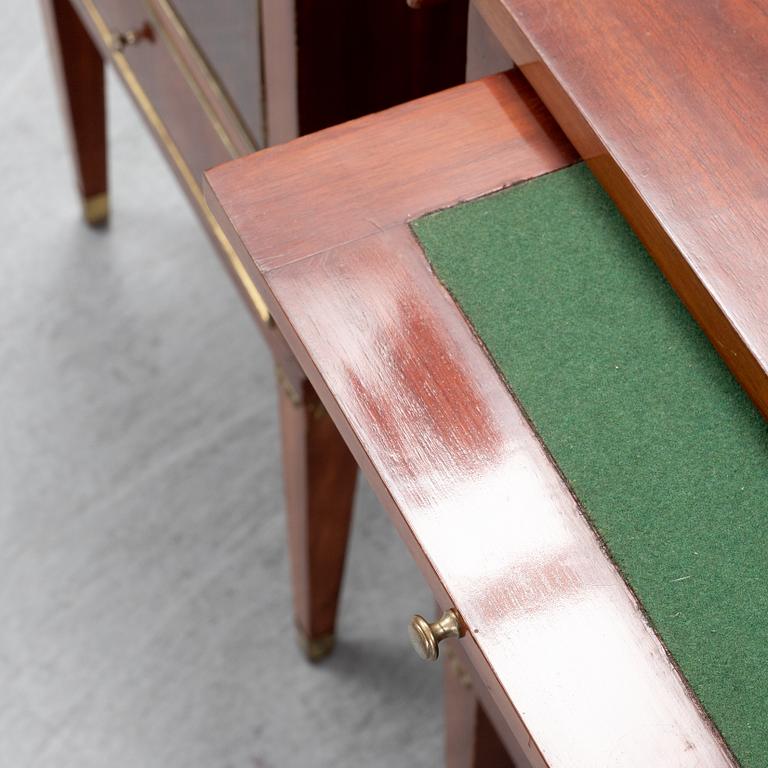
[152, 42]
[187, 112]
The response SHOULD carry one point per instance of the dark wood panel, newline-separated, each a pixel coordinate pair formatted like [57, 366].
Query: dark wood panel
[666, 101]
[326, 61]
[563, 651]
[356, 57]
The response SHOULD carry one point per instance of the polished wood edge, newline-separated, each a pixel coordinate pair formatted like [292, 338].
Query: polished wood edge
[724, 330]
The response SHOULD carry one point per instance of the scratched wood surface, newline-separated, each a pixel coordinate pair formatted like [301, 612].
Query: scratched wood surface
[666, 99]
[564, 652]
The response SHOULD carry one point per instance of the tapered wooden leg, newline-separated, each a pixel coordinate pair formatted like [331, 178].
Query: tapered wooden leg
[471, 740]
[320, 475]
[80, 72]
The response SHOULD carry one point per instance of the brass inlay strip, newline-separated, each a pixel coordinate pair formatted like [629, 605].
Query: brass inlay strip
[285, 385]
[176, 157]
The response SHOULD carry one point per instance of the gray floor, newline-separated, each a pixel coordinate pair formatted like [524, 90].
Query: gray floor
[144, 604]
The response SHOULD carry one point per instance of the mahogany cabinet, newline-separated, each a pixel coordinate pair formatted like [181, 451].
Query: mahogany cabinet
[215, 81]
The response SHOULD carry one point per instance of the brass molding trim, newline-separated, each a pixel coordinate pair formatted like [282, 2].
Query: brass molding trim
[314, 406]
[458, 669]
[317, 411]
[96, 209]
[164, 137]
[287, 387]
[315, 648]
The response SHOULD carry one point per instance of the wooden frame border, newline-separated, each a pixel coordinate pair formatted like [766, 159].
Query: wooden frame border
[559, 644]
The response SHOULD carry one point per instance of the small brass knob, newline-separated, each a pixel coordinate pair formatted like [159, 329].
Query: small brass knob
[122, 40]
[426, 637]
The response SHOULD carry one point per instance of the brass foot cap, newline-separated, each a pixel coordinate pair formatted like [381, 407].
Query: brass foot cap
[315, 648]
[96, 209]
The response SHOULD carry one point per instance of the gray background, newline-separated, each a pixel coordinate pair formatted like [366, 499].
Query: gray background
[144, 604]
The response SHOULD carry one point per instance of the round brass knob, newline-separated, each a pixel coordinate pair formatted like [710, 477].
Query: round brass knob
[121, 40]
[426, 637]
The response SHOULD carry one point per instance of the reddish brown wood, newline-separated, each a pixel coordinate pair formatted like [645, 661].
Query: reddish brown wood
[561, 647]
[471, 740]
[498, 124]
[666, 101]
[319, 474]
[80, 73]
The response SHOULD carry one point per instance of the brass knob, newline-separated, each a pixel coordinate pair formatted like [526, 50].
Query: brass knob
[426, 637]
[121, 40]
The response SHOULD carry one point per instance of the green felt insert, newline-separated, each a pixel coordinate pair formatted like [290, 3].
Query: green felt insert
[667, 455]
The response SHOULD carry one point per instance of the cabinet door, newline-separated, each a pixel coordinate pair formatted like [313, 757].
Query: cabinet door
[158, 72]
[228, 35]
[327, 61]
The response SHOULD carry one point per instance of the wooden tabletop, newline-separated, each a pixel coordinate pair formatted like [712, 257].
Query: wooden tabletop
[564, 652]
[668, 102]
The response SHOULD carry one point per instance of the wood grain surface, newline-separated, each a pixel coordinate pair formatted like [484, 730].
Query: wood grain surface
[666, 101]
[564, 652]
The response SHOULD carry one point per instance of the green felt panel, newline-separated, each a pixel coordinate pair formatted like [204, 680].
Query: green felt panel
[667, 455]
